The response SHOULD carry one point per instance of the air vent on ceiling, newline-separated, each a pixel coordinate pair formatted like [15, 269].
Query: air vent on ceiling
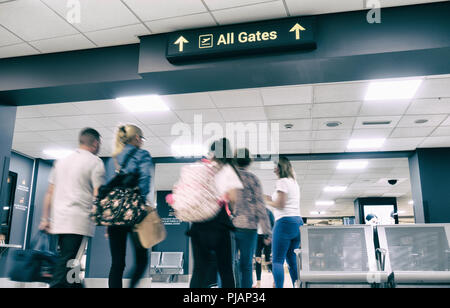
[333, 124]
[376, 122]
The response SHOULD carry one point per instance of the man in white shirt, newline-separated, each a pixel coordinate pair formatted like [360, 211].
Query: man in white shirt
[73, 183]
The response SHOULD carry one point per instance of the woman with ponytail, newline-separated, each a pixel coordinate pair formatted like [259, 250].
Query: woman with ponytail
[132, 159]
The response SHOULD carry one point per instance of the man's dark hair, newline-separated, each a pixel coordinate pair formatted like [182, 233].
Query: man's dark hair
[222, 151]
[243, 158]
[88, 136]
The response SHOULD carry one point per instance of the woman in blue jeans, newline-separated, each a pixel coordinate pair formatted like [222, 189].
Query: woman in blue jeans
[286, 232]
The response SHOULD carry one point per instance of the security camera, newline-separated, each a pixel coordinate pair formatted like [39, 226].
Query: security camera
[392, 182]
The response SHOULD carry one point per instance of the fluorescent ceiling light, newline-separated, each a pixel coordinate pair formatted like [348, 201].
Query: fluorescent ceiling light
[325, 203]
[188, 150]
[391, 90]
[335, 188]
[372, 143]
[352, 164]
[147, 103]
[57, 153]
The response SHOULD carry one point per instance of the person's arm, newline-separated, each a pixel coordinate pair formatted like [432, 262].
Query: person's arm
[261, 212]
[98, 177]
[45, 218]
[145, 176]
[280, 201]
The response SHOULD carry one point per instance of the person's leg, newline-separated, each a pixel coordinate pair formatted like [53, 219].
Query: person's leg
[246, 242]
[221, 239]
[291, 258]
[69, 244]
[267, 252]
[280, 246]
[202, 262]
[141, 257]
[118, 247]
[259, 248]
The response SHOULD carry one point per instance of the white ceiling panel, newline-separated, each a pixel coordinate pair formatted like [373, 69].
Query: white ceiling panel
[287, 95]
[329, 146]
[189, 101]
[340, 92]
[313, 7]
[17, 50]
[371, 133]
[8, 38]
[345, 123]
[155, 118]
[160, 9]
[29, 112]
[384, 108]
[118, 36]
[65, 43]
[349, 109]
[401, 144]
[22, 17]
[181, 23]
[435, 142]
[288, 112]
[236, 98]
[430, 106]
[434, 88]
[114, 120]
[61, 135]
[206, 115]
[433, 120]
[409, 132]
[39, 124]
[295, 147]
[331, 134]
[220, 4]
[96, 15]
[446, 122]
[100, 107]
[441, 132]
[78, 121]
[263, 11]
[28, 137]
[243, 114]
[55, 110]
[295, 136]
[163, 130]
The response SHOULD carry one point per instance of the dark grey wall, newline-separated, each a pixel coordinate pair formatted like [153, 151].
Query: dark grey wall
[430, 181]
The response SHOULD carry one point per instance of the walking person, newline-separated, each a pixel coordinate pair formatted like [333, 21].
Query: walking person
[129, 140]
[248, 212]
[263, 248]
[74, 182]
[213, 236]
[286, 232]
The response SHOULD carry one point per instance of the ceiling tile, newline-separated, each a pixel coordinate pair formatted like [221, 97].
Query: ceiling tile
[384, 108]
[100, 107]
[441, 132]
[17, 50]
[257, 12]
[409, 132]
[28, 137]
[181, 23]
[401, 144]
[220, 4]
[78, 121]
[287, 95]
[155, 118]
[189, 101]
[435, 142]
[331, 134]
[287, 112]
[434, 88]
[39, 124]
[29, 112]
[164, 129]
[114, 120]
[118, 36]
[430, 106]
[295, 147]
[359, 124]
[302, 8]
[433, 120]
[22, 17]
[329, 146]
[65, 43]
[446, 122]
[236, 98]
[295, 136]
[346, 123]
[160, 9]
[371, 133]
[55, 110]
[243, 114]
[7, 38]
[61, 135]
[336, 110]
[205, 115]
[340, 92]
[98, 14]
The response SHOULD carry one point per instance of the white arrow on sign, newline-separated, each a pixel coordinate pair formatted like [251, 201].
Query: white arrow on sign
[180, 42]
[297, 28]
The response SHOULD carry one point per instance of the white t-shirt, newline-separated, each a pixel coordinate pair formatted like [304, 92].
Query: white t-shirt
[226, 180]
[75, 178]
[290, 187]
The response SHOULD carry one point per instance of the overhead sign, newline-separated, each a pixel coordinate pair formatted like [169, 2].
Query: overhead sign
[274, 35]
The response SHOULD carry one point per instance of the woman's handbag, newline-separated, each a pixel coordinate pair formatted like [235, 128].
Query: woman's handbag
[151, 230]
[120, 203]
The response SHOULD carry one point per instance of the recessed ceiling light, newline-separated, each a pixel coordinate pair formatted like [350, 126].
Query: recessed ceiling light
[352, 165]
[288, 126]
[333, 124]
[325, 203]
[421, 121]
[391, 90]
[57, 153]
[147, 103]
[335, 188]
[188, 150]
[372, 143]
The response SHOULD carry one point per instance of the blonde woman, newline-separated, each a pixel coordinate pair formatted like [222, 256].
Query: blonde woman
[286, 232]
[129, 140]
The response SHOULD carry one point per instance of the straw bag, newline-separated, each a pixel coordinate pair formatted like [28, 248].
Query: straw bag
[151, 230]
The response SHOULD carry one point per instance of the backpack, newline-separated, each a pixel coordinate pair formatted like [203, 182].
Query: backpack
[119, 202]
[195, 196]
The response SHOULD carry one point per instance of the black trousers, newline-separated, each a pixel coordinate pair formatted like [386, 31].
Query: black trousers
[211, 245]
[118, 247]
[260, 247]
[69, 244]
